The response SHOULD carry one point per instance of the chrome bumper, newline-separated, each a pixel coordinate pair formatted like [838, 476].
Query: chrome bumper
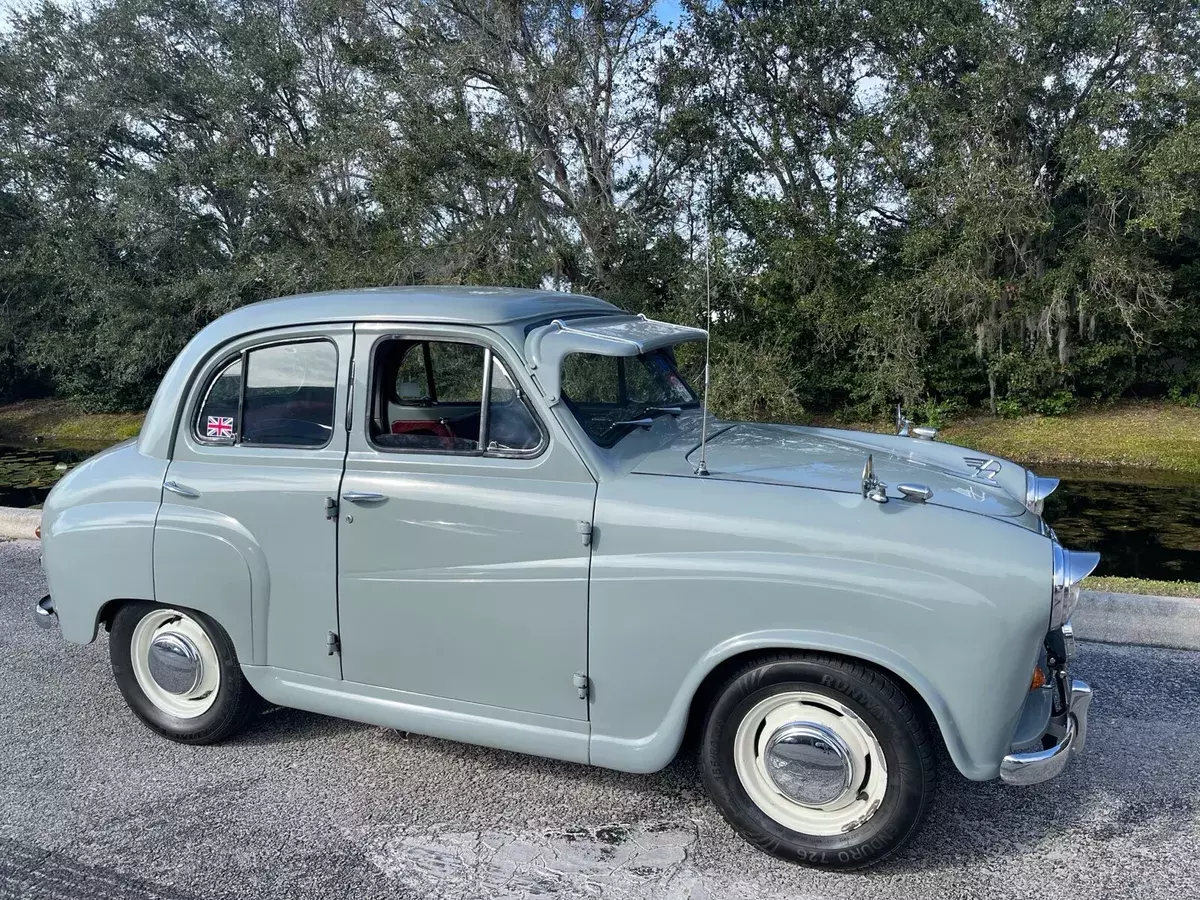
[44, 613]
[1042, 765]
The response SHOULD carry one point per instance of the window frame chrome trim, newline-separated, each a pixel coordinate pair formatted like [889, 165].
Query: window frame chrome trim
[491, 355]
[244, 353]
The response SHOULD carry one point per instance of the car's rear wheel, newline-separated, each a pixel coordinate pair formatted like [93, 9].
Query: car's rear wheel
[179, 673]
[818, 759]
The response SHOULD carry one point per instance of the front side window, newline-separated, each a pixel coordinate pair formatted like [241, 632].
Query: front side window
[430, 397]
[279, 395]
[609, 394]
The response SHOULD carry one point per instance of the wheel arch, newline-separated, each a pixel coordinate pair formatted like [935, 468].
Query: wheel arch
[720, 674]
[654, 751]
[723, 661]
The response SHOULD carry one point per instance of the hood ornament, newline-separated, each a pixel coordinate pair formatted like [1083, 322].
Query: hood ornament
[872, 487]
[915, 493]
[984, 468]
[905, 427]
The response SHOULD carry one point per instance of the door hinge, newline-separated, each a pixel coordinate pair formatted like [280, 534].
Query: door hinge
[585, 532]
[331, 508]
[333, 644]
[581, 683]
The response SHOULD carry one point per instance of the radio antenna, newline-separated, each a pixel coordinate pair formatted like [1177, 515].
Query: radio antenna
[702, 467]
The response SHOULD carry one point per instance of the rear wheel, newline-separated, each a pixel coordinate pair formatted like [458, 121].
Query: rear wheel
[818, 760]
[178, 672]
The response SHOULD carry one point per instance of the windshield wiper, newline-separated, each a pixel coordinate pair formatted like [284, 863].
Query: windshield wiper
[626, 423]
[646, 420]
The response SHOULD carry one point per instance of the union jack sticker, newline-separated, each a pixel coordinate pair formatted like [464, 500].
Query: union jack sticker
[220, 426]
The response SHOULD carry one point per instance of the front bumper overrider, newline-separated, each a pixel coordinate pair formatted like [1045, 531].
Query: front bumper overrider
[1068, 730]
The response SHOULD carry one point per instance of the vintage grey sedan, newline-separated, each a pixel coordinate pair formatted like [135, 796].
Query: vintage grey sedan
[487, 515]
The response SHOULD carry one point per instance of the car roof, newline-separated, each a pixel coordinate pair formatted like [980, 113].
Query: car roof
[460, 305]
[464, 305]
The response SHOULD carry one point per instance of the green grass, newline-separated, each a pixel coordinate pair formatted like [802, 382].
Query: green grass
[1116, 585]
[60, 422]
[1138, 434]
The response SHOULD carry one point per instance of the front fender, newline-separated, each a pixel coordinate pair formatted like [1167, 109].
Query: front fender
[688, 572]
[652, 752]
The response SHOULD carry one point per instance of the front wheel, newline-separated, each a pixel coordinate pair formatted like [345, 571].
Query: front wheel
[178, 672]
[818, 760]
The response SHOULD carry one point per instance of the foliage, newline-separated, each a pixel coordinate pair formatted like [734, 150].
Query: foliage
[957, 205]
[1129, 434]
[1145, 586]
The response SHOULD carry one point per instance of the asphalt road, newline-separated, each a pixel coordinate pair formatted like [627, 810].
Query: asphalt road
[93, 805]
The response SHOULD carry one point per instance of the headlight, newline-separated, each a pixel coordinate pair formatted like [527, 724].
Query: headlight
[1037, 489]
[1070, 568]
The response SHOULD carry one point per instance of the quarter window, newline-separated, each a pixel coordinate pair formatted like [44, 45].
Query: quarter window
[219, 411]
[278, 395]
[511, 425]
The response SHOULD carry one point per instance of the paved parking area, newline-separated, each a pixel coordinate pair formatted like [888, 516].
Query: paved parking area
[93, 805]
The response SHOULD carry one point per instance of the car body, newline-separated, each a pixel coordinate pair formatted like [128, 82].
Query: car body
[500, 560]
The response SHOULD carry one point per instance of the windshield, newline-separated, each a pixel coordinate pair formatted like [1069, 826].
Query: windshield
[611, 396]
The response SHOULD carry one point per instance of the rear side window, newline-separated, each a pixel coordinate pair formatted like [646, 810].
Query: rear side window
[280, 395]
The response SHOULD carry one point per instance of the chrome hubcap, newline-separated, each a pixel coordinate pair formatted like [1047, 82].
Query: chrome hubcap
[174, 663]
[808, 763]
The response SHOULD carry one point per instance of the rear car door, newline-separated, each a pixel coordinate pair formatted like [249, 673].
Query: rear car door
[258, 455]
[463, 570]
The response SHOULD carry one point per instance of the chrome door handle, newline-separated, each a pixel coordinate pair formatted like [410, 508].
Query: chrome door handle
[362, 496]
[182, 490]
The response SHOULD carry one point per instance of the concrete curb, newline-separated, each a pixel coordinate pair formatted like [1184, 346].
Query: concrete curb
[19, 524]
[1172, 622]
[1138, 619]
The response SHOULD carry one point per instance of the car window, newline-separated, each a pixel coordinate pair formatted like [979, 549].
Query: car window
[610, 395]
[436, 401]
[511, 425]
[412, 380]
[289, 394]
[218, 413]
[588, 378]
[457, 371]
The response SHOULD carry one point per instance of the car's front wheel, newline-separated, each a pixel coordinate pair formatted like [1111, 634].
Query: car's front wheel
[818, 759]
[178, 672]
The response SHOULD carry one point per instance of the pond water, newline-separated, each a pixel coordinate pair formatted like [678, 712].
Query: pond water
[28, 473]
[1146, 524]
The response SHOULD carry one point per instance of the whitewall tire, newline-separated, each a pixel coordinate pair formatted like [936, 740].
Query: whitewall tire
[818, 759]
[179, 673]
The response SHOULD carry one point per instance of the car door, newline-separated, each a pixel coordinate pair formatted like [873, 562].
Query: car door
[258, 456]
[464, 548]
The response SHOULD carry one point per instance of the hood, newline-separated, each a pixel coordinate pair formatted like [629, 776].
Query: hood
[832, 459]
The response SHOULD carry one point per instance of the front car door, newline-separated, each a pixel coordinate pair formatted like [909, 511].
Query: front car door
[259, 447]
[463, 556]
